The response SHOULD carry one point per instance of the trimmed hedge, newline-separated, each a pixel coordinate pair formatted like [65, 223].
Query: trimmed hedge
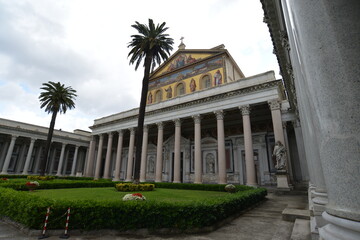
[130, 187]
[205, 187]
[30, 210]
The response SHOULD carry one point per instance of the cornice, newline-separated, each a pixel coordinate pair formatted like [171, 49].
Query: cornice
[207, 100]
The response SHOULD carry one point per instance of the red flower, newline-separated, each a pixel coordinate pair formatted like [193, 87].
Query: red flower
[137, 194]
[4, 178]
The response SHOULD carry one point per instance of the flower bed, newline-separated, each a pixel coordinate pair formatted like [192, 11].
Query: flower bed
[130, 187]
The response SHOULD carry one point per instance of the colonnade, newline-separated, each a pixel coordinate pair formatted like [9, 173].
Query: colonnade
[23, 163]
[198, 171]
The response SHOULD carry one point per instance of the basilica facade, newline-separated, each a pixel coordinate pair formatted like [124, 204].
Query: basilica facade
[205, 122]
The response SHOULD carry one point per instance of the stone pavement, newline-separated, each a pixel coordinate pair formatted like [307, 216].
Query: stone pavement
[261, 223]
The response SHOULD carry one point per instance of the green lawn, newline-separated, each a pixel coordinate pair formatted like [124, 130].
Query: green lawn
[110, 193]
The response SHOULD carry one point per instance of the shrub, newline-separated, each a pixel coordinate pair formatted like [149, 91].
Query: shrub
[42, 178]
[130, 187]
[30, 210]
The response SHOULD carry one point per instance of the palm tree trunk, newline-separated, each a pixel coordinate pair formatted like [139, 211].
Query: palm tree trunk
[45, 159]
[141, 117]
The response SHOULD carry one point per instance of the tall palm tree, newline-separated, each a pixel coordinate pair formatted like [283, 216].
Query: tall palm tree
[152, 45]
[55, 98]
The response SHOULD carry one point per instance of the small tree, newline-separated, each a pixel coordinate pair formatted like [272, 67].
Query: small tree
[152, 45]
[55, 98]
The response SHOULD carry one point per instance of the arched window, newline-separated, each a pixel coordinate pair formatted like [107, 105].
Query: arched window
[158, 96]
[205, 82]
[180, 89]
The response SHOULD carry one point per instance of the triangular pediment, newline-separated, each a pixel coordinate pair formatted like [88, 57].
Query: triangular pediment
[183, 58]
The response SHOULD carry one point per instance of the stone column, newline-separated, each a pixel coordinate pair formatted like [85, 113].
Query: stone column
[197, 149]
[37, 159]
[249, 151]
[118, 156]
[3, 153]
[108, 156]
[51, 163]
[21, 159]
[99, 156]
[144, 154]
[329, 33]
[73, 167]
[129, 170]
[221, 146]
[28, 156]
[90, 158]
[8, 155]
[159, 153]
[61, 160]
[277, 122]
[177, 153]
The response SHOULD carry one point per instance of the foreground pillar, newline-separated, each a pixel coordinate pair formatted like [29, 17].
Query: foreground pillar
[144, 154]
[118, 156]
[249, 151]
[159, 153]
[177, 154]
[197, 149]
[89, 170]
[107, 171]
[221, 147]
[129, 170]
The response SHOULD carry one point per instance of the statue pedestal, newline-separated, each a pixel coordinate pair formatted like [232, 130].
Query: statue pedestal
[282, 180]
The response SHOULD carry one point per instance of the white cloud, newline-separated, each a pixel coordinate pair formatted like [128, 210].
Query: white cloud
[83, 44]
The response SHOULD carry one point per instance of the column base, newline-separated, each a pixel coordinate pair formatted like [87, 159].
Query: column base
[116, 180]
[4, 173]
[282, 180]
[339, 228]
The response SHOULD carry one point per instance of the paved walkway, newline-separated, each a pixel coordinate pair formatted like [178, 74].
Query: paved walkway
[261, 223]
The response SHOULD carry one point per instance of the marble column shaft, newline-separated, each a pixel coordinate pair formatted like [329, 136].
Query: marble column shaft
[8, 155]
[107, 171]
[144, 154]
[129, 170]
[28, 156]
[90, 159]
[221, 147]
[73, 167]
[61, 160]
[118, 156]
[177, 153]
[99, 156]
[197, 149]
[249, 151]
[159, 153]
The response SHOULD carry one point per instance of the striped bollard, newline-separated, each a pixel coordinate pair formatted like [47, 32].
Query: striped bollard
[66, 235]
[45, 224]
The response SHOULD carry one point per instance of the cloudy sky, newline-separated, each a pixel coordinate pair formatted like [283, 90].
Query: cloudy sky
[83, 44]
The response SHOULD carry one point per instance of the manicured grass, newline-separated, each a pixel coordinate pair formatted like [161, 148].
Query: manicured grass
[110, 193]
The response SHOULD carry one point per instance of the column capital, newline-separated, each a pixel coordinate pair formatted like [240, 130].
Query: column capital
[177, 122]
[245, 109]
[145, 128]
[296, 123]
[160, 125]
[219, 114]
[274, 105]
[111, 134]
[101, 135]
[197, 118]
[14, 136]
[132, 131]
[121, 132]
[32, 139]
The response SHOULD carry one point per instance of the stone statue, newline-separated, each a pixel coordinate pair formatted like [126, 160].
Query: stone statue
[280, 156]
[210, 163]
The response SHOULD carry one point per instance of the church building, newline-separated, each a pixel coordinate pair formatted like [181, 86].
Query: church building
[205, 122]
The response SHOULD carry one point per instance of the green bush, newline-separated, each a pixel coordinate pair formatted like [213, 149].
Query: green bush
[43, 178]
[30, 210]
[205, 187]
[130, 187]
